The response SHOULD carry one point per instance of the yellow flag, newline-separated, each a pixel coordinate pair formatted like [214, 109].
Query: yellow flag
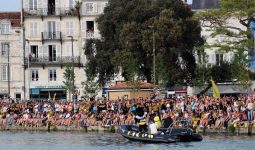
[54, 97]
[216, 92]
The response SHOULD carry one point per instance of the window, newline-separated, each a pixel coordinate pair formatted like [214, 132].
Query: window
[4, 49]
[5, 28]
[52, 53]
[32, 4]
[35, 76]
[34, 51]
[89, 7]
[90, 29]
[71, 3]
[52, 75]
[33, 28]
[219, 59]
[4, 72]
[69, 28]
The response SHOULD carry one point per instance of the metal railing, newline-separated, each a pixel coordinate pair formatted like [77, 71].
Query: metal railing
[89, 35]
[52, 60]
[51, 35]
[63, 11]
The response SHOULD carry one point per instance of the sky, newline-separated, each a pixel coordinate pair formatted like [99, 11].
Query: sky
[10, 5]
[14, 5]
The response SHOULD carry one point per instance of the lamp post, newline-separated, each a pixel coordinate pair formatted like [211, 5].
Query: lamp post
[154, 59]
[72, 68]
[28, 68]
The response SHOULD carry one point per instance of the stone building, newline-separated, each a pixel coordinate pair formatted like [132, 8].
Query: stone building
[11, 56]
[55, 32]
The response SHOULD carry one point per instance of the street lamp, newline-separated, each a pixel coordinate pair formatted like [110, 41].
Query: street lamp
[154, 60]
[28, 69]
[72, 68]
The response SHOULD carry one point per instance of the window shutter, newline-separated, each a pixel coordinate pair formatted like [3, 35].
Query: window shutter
[46, 52]
[39, 3]
[0, 49]
[40, 51]
[27, 50]
[83, 29]
[45, 5]
[57, 4]
[213, 58]
[25, 4]
[58, 29]
[1, 72]
[67, 28]
[45, 34]
[58, 51]
[31, 28]
[70, 3]
[95, 7]
[71, 27]
[83, 9]
[35, 28]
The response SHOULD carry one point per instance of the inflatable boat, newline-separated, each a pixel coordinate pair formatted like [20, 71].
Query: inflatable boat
[171, 135]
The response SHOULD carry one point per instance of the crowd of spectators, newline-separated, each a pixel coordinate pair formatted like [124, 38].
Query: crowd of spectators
[196, 111]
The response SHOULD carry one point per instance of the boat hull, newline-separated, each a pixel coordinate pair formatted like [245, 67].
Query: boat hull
[177, 135]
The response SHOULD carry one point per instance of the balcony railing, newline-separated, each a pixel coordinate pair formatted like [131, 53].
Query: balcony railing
[65, 11]
[51, 35]
[89, 35]
[52, 60]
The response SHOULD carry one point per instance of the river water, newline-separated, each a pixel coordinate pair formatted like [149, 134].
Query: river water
[112, 141]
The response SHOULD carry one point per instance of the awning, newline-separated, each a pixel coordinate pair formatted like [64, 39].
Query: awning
[52, 89]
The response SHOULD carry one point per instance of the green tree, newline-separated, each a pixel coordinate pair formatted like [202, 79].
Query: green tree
[68, 83]
[131, 76]
[126, 35]
[236, 39]
[90, 86]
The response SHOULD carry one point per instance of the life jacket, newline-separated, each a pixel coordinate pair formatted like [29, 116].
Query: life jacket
[141, 120]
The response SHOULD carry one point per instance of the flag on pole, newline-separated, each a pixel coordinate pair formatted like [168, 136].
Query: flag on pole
[54, 97]
[216, 92]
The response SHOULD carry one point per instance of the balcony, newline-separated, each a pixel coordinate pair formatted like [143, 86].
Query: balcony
[65, 11]
[53, 60]
[51, 35]
[89, 34]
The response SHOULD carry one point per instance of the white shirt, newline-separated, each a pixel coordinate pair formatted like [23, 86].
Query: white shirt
[153, 128]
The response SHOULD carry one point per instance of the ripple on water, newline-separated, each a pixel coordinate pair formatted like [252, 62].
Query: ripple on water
[110, 141]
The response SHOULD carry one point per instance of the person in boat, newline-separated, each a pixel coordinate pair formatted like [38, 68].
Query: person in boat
[167, 120]
[140, 119]
[153, 127]
[157, 121]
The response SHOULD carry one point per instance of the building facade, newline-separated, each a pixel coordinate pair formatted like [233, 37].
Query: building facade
[55, 32]
[11, 56]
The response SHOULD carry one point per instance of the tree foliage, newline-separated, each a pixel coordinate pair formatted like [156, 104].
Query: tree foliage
[68, 82]
[234, 38]
[90, 87]
[126, 35]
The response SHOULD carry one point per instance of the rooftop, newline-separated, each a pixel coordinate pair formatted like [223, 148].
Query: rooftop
[14, 17]
[124, 85]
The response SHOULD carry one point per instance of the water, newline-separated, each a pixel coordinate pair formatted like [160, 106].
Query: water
[111, 141]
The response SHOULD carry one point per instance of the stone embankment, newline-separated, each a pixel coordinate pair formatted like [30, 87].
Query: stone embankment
[241, 130]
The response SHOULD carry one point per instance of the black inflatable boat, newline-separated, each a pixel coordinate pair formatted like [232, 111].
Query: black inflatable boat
[171, 135]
